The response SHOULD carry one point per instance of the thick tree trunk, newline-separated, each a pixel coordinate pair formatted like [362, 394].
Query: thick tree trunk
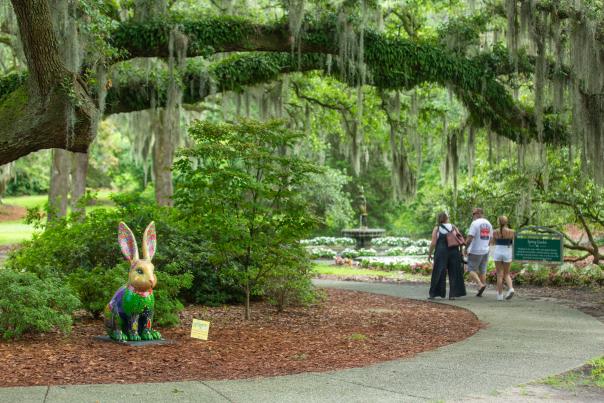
[79, 170]
[53, 110]
[40, 45]
[163, 156]
[59, 184]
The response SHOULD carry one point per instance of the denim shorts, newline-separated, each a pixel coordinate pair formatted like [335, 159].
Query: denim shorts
[502, 253]
[478, 263]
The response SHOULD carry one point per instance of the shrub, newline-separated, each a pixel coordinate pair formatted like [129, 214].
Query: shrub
[289, 282]
[415, 250]
[423, 243]
[243, 188]
[67, 245]
[367, 252]
[167, 304]
[96, 287]
[318, 252]
[353, 253]
[350, 253]
[328, 241]
[87, 253]
[392, 241]
[396, 251]
[592, 275]
[31, 305]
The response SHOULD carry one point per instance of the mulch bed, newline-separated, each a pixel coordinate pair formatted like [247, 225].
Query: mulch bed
[589, 300]
[11, 213]
[349, 329]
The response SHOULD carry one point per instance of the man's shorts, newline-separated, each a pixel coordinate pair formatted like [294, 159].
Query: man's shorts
[478, 263]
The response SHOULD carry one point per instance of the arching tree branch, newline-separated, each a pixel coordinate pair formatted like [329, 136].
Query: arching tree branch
[393, 63]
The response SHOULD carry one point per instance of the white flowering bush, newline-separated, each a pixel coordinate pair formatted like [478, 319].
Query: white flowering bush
[423, 242]
[415, 250]
[391, 241]
[567, 274]
[394, 241]
[350, 253]
[320, 252]
[328, 241]
[396, 251]
[367, 252]
[353, 253]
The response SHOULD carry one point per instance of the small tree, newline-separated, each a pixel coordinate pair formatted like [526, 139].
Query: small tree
[572, 190]
[560, 195]
[241, 184]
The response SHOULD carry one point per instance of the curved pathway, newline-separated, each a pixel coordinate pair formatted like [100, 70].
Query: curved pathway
[523, 341]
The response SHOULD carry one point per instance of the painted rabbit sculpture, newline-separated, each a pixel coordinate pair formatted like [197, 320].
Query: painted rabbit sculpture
[129, 314]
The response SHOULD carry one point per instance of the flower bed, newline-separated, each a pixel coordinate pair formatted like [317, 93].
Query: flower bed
[391, 241]
[328, 241]
[353, 253]
[565, 275]
[529, 274]
[423, 268]
[321, 252]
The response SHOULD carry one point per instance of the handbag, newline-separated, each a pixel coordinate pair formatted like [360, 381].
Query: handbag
[454, 237]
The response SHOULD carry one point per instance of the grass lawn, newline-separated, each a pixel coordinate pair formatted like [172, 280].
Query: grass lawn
[348, 272]
[26, 201]
[39, 200]
[14, 232]
[17, 231]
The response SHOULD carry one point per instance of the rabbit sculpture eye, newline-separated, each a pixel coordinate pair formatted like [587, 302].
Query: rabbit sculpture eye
[129, 314]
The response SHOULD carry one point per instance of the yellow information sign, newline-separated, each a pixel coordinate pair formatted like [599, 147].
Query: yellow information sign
[200, 329]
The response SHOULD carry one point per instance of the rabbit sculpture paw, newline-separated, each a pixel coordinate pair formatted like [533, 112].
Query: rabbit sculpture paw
[129, 314]
[151, 335]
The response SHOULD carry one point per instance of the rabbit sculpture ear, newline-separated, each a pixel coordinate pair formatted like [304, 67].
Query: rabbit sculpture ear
[127, 242]
[149, 241]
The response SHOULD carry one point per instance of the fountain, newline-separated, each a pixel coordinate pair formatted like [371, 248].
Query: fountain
[363, 235]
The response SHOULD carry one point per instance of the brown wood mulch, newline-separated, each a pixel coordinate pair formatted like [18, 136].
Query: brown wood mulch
[11, 213]
[348, 329]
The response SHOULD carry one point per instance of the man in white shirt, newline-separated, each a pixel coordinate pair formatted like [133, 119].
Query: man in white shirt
[477, 249]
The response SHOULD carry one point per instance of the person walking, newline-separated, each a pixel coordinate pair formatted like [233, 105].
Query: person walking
[477, 249]
[503, 239]
[446, 259]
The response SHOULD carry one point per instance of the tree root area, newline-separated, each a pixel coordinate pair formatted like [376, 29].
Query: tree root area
[346, 329]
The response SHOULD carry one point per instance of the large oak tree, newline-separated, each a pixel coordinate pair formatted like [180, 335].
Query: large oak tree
[33, 107]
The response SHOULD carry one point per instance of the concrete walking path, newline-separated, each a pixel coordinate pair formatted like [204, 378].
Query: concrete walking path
[524, 341]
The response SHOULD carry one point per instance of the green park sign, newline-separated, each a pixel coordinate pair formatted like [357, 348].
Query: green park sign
[538, 244]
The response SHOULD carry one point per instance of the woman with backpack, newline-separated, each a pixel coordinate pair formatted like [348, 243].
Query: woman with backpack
[446, 259]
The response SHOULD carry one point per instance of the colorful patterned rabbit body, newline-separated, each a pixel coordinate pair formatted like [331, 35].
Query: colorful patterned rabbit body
[129, 314]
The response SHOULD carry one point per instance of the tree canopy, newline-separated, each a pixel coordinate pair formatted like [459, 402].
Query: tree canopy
[33, 107]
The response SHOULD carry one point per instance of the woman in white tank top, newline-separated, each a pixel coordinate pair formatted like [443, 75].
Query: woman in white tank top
[503, 239]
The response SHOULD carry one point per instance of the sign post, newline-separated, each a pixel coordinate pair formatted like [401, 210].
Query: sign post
[538, 244]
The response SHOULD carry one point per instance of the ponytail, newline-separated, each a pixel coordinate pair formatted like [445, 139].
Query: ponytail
[503, 221]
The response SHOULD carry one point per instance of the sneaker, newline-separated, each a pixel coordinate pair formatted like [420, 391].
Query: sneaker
[499, 297]
[510, 294]
[481, 290]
